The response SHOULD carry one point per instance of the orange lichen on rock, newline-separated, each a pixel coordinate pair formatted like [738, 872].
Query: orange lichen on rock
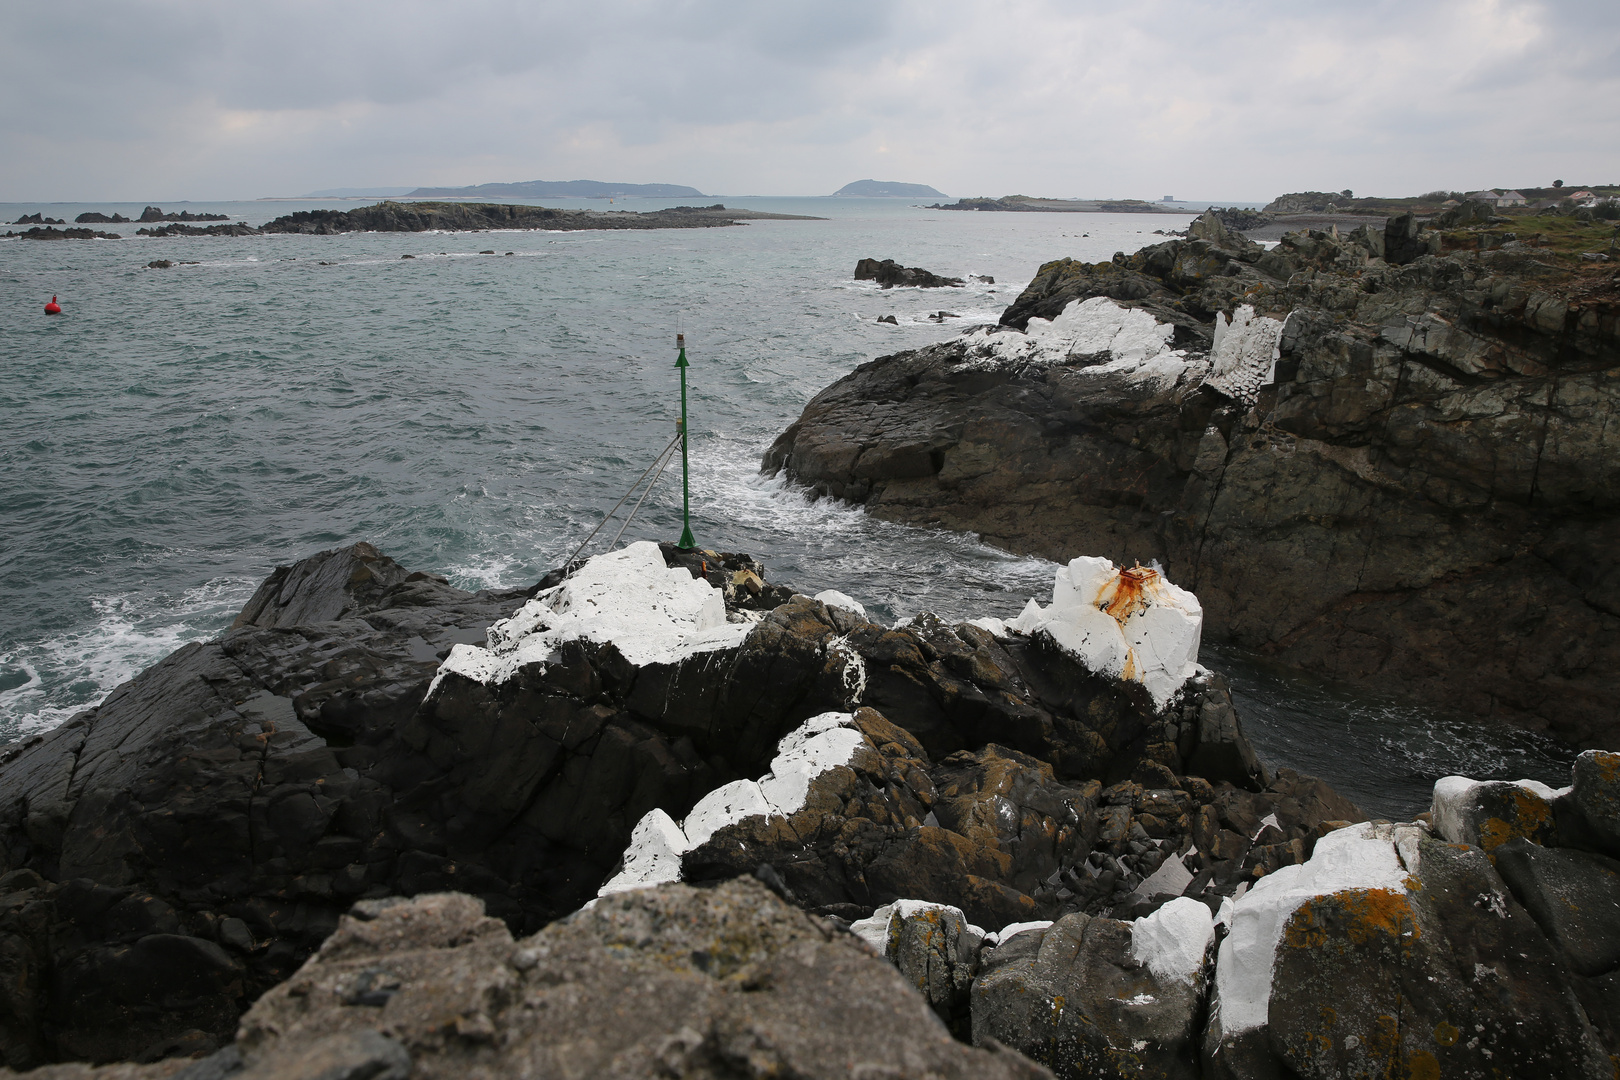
[1365, 913]
[1531, 817]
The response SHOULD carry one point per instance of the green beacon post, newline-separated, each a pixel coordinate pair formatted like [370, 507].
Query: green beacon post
[686, 540]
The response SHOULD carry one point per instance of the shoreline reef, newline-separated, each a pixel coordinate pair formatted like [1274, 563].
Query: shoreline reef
[389, 216]
[661, 814]
[1378, 455]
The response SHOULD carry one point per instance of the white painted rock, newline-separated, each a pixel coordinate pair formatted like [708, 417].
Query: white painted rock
[1135, 344]
[656, 844]
[1245, 354]
[654, 615]
[834, 598]
[1125, 624]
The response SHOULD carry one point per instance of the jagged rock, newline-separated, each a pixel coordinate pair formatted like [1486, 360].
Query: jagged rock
[889, 273]
[1099, 997]
[91, 217]
[1460, 397]
[322, 588]
[1488, 814]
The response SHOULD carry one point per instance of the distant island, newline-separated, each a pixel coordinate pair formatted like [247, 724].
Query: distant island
[886, 189]
[552, 189]
[1028, 204]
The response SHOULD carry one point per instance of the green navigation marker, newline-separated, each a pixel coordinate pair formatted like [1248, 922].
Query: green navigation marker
[686, 540]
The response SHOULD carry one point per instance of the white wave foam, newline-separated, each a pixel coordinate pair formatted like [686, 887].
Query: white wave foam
[77, 669]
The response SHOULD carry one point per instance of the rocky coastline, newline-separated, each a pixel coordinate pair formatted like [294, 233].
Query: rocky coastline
[391, 216]
[660, 817]
[1382, 455]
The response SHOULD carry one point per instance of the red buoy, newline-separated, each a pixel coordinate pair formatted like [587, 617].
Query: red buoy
[53, 308]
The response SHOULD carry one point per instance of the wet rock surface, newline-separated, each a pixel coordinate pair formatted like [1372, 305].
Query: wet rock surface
[1416, 486]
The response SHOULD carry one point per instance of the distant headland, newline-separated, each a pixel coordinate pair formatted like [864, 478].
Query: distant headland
[886, 189]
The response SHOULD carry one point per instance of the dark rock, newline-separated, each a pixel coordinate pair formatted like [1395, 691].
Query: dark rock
[155, 213]
[890, 319]
[416, 216]
[37, 233]
[1574, 896]
[889, 273]
[91, 217]
[1291, 515]
[1595, 797]
[1075, 999]
[222, 809]
[159, 264]
[322, 588]
[38, 219]
[238, 229]
[935, 949]
[1448, 976]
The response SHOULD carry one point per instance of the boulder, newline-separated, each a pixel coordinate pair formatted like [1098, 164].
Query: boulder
[671, 981]
[1392, 952]
[1487, 814]
[934, 948]
[1099, 997]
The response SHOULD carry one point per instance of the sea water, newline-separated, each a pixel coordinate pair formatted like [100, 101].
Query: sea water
[176, 433]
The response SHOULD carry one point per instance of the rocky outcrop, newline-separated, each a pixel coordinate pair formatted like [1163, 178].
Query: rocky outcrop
[37, 233]
[237, 229]
[155, 213]
[391, 216]
[363, 731]
[889, 273]
[673, 982]
[38, 219]
[1395, 473]
[91, 217]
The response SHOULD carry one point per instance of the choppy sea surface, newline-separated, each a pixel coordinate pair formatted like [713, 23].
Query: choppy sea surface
[176, 433]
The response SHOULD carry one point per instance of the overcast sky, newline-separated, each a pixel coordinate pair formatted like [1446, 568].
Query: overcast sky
[1230, 100]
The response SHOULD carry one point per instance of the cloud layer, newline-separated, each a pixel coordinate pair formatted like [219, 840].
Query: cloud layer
[141, 99]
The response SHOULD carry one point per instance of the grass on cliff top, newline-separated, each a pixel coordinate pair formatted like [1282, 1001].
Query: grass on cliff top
[1566, 236]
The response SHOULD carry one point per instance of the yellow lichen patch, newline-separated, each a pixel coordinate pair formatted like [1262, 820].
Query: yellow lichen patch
[1608, 766]
[1445, 1034]
[1531, 814]
[1422, 1066]
[1367, 913]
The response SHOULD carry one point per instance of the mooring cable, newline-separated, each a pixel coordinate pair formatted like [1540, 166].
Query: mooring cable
[669, 455]
[662, 454]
